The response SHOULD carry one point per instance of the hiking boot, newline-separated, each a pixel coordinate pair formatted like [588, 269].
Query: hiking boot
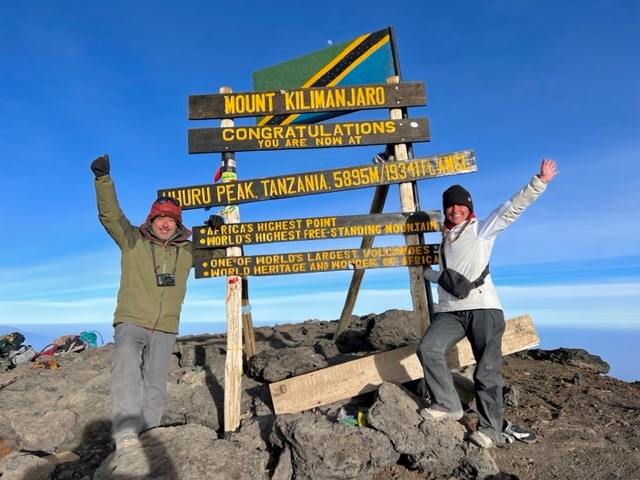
[518, 433]
[126, 441]
[481, 439]
[434, 412]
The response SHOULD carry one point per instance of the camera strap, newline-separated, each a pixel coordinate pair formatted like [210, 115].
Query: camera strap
[155, 265]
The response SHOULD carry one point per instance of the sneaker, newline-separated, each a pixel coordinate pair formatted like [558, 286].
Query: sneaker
[433, 413]
[126, 441]
[480, 439]
[518, 433]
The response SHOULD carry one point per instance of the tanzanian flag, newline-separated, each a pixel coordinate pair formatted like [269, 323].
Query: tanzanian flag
[370, 58]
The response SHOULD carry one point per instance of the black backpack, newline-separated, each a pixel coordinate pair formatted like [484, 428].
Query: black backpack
[10, 342]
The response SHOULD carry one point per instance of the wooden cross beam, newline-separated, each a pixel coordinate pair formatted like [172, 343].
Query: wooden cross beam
[366, 374]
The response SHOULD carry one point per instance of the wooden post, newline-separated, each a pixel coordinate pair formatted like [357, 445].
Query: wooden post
[408, 204]
[422, 303]
[424, 320]
[233, 361]
[247, 323]
[376, 207]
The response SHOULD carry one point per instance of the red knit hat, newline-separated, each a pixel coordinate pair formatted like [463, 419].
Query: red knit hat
[165, 207]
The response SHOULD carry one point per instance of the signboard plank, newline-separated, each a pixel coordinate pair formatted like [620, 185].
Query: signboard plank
[366, 374]
[316, 228]
[319, 261]
[302, 100]
[323, 181]
[315, 135]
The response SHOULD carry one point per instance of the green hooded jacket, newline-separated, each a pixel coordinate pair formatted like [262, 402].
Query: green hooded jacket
[140, 300]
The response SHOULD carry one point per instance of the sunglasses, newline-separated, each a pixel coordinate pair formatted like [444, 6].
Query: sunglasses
[175, 201]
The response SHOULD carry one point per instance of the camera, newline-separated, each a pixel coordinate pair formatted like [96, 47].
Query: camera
[166, 279]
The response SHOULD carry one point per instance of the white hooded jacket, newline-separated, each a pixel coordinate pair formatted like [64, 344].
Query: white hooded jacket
[468, 246]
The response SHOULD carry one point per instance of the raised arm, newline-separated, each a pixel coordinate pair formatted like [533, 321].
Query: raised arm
[110, 214]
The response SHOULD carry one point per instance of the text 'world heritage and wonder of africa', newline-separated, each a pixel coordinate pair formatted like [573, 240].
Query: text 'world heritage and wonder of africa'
[319, 261]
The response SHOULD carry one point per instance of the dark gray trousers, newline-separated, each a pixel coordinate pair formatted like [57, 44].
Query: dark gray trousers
[483, 329]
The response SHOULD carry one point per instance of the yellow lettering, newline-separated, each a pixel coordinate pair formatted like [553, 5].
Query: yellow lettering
[289, 103]
[248, 103]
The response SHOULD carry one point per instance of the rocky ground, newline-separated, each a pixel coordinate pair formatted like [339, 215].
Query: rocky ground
[54, 423]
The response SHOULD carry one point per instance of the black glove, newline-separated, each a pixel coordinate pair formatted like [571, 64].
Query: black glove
[100, 166]
[215, 221]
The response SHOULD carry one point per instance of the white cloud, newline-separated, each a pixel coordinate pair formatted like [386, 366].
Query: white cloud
[606, 305]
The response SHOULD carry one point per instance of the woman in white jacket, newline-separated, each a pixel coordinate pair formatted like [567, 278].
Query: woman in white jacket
[466, 248]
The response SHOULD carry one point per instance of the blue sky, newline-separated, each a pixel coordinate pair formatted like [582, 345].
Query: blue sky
[514, 81]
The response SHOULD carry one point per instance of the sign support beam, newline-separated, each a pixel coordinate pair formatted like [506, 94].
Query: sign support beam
[377, 204]
[233, 360]
[408, 204]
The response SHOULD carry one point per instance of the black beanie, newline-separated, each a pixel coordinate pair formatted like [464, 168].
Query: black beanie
[456, 195]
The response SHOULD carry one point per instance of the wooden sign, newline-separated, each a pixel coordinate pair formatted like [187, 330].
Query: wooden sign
[318, 228]
[319, 261]
[304, 100]
[366, 374]
[324, 181]
[318, 135]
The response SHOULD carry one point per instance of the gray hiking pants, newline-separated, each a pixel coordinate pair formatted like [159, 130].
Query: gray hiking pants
[139, 369]
[483, 329]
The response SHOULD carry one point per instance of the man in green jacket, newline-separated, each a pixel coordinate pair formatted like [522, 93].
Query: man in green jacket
[156, 258]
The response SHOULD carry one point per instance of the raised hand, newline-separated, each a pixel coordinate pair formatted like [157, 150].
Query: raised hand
[548, 170]
[215, 221]
[101, 166]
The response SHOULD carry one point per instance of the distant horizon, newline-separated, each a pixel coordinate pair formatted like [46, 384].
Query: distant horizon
[610, 345]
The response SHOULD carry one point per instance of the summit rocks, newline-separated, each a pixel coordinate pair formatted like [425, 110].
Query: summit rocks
[55, 423]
